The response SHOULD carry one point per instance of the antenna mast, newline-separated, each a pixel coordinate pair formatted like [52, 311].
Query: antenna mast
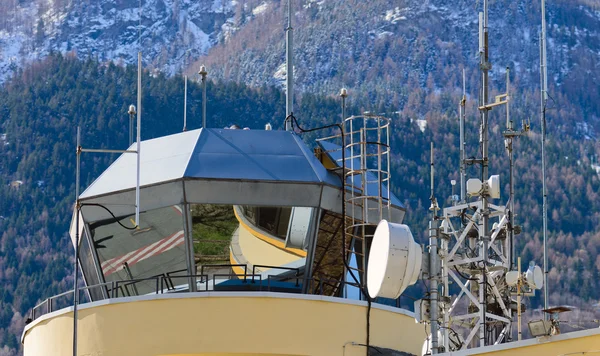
[462, 118]
[434, 263]
[203, 74]
[289, 51]
[485, 66]
[185, 103]
[139, 143]
[544, 100]
[473, 255]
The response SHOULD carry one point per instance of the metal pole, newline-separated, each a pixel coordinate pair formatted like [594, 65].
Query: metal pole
[511, 211]
[185, 104]
[203, 74]
[484, 66]
[131, 113]
[433, 263]
[139, 134]
[189, 246]
[544, 99]
[344, 95]
[463, 172]
[76, 271]
[130, 130]
[519, 284]
[289, 51]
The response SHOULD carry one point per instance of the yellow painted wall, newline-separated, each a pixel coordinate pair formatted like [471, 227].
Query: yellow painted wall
[232, 355]
[258, 252]
[224, 324]
[550, 346]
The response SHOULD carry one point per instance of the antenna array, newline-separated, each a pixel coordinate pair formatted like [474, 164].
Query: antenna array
[466, 249]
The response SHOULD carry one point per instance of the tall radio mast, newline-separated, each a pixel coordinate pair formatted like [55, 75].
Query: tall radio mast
[543, 102]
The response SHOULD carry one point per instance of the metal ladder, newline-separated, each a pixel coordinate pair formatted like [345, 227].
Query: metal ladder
[367, 196]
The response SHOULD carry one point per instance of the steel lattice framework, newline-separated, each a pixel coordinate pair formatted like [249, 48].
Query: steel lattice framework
[468, 264]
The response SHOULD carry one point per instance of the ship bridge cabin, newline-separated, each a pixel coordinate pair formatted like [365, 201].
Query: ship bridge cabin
[239, 230]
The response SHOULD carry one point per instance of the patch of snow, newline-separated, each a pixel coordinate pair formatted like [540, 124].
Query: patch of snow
[585, 130]
[280, 73]
[260, 9]
[422, 124]
[395, 15]
[223, 6]
[228, 29]
[311, 3]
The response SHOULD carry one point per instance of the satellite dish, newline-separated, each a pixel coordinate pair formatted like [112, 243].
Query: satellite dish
[394, 261]
[493, 186]
[534, 277]
[474, 186]
[512, 278]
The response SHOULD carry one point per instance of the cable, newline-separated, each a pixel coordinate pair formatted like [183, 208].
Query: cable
[465, 277]
[111, 213]
[370, 347]
[460, 343]
[362, 288]
[408, 296]
[293, 120]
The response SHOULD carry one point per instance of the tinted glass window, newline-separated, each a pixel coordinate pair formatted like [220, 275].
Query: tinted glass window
[156, 248]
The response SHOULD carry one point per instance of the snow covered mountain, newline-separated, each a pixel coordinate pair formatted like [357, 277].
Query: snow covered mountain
[376, 46]
[384, 49]
[172, 32]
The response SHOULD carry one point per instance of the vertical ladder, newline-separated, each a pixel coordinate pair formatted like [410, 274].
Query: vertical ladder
[367, 196]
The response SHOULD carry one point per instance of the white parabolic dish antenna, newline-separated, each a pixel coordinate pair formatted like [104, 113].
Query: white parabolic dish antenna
[535, 277]
[394, 261]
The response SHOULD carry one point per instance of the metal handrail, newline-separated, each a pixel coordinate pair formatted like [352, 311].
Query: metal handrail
[271, 277]
[297, 270]
[236, 275]
[168, 279]
[163, 280]
[226, 265]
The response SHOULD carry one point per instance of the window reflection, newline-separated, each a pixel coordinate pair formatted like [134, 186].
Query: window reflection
[328, 268]
[245, 242]
[212, 229]
[274, 220]
[156, 248]
[86, 260]
[230, 243]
